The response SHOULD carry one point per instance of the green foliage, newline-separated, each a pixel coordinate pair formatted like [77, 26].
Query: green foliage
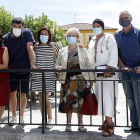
[42, 21]
[34, 24]
[5, 20]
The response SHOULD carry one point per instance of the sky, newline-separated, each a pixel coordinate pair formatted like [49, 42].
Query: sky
[63, 11]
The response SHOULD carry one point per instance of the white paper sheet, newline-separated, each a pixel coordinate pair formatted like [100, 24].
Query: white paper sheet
[101, 67]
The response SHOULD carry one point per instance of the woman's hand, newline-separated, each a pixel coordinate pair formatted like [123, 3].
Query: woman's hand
[59, 67]
[107, 74]
[81, 46]
[92, 82]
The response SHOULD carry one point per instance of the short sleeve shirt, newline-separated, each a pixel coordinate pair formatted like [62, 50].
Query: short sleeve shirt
[17, 48]
[129, 48]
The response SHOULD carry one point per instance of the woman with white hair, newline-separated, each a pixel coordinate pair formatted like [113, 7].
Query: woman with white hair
[73, 92]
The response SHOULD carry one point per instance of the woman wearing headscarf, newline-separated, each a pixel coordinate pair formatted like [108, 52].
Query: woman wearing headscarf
[103, 54]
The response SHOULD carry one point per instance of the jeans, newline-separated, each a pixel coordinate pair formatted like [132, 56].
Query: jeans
[132, 97]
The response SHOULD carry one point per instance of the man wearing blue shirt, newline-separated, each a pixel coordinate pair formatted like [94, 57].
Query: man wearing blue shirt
[19, 42]
[128, 40]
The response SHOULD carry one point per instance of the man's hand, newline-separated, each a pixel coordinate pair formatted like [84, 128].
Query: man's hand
[126, 68]
[81, 46]
[121, 64]
[107, 74]
[35, 67]
[137, 69]
[59, 68]
[31, 53]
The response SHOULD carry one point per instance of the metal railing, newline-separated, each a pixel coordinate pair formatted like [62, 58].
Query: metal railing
[44, 113]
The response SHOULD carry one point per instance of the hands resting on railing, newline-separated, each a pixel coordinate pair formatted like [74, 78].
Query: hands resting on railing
[60, 68]
[137, 69]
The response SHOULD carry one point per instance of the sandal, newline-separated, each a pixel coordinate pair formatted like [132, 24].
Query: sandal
[103, 127]
[109, 131]
[68, 128]
[82, 128]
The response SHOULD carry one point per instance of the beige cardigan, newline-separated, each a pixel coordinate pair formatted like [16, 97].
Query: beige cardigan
[83, 62]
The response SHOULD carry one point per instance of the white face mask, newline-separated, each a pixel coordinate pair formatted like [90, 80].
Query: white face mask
[17, 32]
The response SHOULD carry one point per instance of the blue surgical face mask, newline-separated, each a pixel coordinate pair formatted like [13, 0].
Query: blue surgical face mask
[124, 22]
[72, 40]
[43, 38]
[97, 31]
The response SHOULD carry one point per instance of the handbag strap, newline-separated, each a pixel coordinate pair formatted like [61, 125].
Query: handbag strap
[92, 90]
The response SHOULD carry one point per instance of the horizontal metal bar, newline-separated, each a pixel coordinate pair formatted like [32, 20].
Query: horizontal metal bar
[64, 80]
[66, 70]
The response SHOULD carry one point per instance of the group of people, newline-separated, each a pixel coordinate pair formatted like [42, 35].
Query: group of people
[105, 52]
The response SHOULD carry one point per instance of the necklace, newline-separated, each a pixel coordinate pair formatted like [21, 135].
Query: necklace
[73, 49]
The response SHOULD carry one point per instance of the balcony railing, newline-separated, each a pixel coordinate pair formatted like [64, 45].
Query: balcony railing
[44, 113]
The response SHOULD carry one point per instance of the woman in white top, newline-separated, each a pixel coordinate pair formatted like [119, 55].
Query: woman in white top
[73, 92]
[103, 51]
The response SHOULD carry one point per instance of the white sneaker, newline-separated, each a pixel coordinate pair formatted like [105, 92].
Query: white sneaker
[13, 121]
[21, 119]
[49, 126]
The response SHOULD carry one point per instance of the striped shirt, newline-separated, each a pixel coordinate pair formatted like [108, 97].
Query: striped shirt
[45, 59]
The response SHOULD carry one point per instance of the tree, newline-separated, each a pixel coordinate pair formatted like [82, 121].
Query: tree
[5, 20]
[34, 24]
[42, 21]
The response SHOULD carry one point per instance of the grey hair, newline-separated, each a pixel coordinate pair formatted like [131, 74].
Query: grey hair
[125, 12]
[73, 30]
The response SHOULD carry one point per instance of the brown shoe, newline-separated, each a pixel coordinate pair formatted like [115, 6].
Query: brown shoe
[103, 127]
[109, 131]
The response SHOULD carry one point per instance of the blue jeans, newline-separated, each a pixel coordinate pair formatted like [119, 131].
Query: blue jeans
[132, 97]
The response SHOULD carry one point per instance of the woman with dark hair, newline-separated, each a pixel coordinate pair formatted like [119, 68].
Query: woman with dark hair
[103, 54]
[46, 53]
[4, 59]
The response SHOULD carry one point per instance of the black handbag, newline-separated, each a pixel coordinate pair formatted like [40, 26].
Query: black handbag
[102, 74]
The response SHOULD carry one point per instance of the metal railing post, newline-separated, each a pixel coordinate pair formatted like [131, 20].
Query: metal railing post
[43, 102]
